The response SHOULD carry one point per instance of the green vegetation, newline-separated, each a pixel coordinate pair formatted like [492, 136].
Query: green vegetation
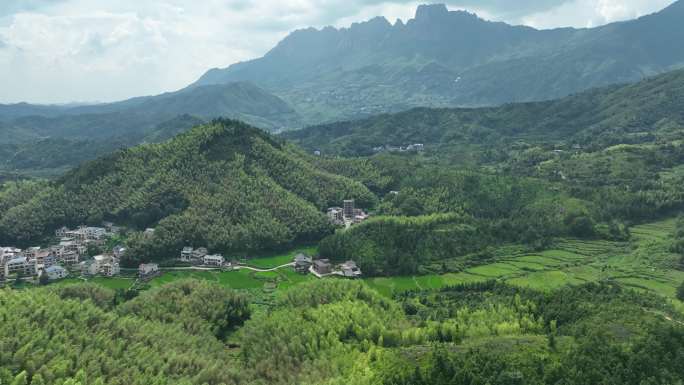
[226, 186]
[273, 261]
[338, 332]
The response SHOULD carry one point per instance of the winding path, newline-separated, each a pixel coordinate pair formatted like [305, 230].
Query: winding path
[238, 267]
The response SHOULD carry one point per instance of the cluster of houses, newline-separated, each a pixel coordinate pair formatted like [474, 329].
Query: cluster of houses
[416, 147]
[323, 267]
[346, 215]
[201, 256]
[56, 260]
[302, 263]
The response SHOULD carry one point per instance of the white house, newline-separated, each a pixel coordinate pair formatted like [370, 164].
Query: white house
[107, 265]
[214, 260]
[148, 269]
[20, 265]
[56, 272]
[350, 270]
[186, 254]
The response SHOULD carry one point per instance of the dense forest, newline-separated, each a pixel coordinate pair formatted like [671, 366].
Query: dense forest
[339, 332]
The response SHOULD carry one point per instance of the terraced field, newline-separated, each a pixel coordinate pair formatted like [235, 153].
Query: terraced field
[644, 263]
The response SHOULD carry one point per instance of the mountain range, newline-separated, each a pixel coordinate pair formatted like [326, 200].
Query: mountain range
[48, 140]
[632, 113]
[138, 117]
[447, 59]
[438, 59]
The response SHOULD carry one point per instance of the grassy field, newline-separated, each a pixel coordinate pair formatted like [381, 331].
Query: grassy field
[272, 261]
[239, 279]
[644, 263]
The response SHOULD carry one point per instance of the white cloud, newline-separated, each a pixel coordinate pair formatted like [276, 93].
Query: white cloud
[67, 50]
[591, 13]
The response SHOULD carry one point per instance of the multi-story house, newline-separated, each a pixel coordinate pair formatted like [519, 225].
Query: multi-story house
[147, 270]
[20, 265]
[107, 265]
[186, 254]
[213, 260]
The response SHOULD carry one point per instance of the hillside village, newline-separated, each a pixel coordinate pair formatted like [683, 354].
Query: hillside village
[68, 256]
[71, 256]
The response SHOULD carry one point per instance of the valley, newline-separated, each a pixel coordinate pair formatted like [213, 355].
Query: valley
[443, 200]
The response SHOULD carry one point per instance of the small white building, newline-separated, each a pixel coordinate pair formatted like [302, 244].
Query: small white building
[350, 270]
[148, 269]
[336, 215]
[107, 265]
[20, 265]
[56, 272]
[199, 253]
[186, 254]
[214, 260]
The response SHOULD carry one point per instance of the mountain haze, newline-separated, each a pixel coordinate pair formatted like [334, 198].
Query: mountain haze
[139, 116]
[618, 114]
[47, 140]
[446, 59]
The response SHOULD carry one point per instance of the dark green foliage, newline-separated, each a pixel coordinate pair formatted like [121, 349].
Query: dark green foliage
[396, 245]
[99, 296]
[680, 292]
[618, 339]
[200, 307]
[340, 332]
[58, 340]
[441, 214]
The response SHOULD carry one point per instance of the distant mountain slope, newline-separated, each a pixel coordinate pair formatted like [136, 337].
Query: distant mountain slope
[617, 114]
[224, 185]
[446, 59]
[138, 117]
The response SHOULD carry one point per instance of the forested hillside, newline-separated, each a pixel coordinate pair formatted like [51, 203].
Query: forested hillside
[444, 59]
[588, 166]
[649, 111]
[336, 332]
[224, 185]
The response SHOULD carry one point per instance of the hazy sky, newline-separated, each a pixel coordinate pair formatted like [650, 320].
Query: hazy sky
[54, 51]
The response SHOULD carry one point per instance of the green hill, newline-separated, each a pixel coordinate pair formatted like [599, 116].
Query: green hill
[224, 185]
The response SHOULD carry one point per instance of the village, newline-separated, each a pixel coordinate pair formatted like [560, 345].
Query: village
[69, 256]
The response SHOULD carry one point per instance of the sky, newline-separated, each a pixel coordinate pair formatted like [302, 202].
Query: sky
[60, 51]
